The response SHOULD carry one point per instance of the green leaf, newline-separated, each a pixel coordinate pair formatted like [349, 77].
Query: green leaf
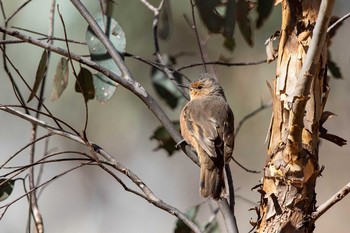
[164, 87]
[61, 79]
[6, 187]
[243, 21]
[212, 227]
[84, 84]
[165, 21]
[333, 67]
[104, 87]
[230, 44]
[40, 74]
[191, 213]
[230, 20]
[209, 15]
[264, 9]
[164, 139]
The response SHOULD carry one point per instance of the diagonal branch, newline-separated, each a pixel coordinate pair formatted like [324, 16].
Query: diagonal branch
[126, 74]
[131, 85]
[150, 196]
[330, 202]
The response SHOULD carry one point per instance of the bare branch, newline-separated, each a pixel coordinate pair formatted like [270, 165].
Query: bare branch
[126, 74]
[251, 114]
[17, 11]
[229, 217]
[221, 63]
[330, 202]
[194, 27]
[167, 71]
[2, 10]
[131, 85]
[23, 148]
[339, 21]
[41, 123]
[151, 197]
[5, 207]
[315, 48]
[150, 6]
[74, 72]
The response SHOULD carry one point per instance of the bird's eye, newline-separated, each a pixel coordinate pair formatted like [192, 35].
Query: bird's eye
[199, 87]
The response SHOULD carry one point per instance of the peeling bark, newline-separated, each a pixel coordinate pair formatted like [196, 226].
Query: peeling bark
[288, 195]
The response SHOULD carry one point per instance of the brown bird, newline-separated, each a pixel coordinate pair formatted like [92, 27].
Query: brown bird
[207, 124]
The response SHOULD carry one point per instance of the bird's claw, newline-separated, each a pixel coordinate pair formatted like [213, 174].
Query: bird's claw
[179, 143]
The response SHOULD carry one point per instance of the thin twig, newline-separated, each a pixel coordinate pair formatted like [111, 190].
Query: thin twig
[15, 88]
[74, 72]
[23, 104]
[167, 71]
[330, 202]
[339, 21]
[5, 207]
[55, 119]
[194, 27]
[17, 11]
[157, 65]
[23, 148]
[126, 74]
[222, 64]
[251, 114]
[33, 199]
[150, 195]
[243, 167]
[2, 10]
[130, 84]
[16, 41]
[41, 123]
[149, 6]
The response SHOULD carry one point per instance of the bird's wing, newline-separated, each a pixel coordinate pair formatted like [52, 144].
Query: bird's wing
[203, 127]
[228, 136]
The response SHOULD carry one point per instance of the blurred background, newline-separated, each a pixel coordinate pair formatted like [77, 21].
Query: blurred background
[89, 200]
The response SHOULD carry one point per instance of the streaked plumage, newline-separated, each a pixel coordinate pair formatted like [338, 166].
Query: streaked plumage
[207, 125]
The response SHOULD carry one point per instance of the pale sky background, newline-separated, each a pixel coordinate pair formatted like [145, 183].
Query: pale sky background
[89, 200]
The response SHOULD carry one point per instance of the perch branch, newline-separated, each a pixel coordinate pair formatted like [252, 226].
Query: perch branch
[131, 85]
[151, 197]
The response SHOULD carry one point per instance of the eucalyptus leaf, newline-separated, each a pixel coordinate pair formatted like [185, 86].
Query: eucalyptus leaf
[243, 21]
[6, 188]
[333, 67]
[230, 19]
[165, 21]
[264, 9]
[164, 87]
[61, 79]
[165, 141]
[84, 84]
[104, 87]
[191, 213]
[209, 15]
[40, 74]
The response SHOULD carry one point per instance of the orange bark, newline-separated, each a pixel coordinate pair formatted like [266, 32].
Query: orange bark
[288, 189]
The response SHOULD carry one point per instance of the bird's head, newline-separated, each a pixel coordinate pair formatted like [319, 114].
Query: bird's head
[207, 85]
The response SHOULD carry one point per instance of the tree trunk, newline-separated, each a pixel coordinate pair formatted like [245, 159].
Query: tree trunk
[288, 191]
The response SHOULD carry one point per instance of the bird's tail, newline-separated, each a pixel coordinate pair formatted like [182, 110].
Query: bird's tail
[211, 182]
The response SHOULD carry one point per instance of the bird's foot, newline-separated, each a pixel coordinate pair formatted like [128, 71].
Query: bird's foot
[179, 143]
